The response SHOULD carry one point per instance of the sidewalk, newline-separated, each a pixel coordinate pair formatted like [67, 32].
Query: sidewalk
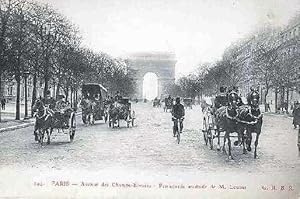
[8, 122]
[8, 115]
[272, 112]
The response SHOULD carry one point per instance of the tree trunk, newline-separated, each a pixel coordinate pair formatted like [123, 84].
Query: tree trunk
[57, 89]
[71, 97]
[276, 100]
[282, 98]
[67, 93]
[265, 98]
[46, 76]
[76, 98]
[46, 79]
[1, 93]
[34, 93]
[287, 100]
[18, 79]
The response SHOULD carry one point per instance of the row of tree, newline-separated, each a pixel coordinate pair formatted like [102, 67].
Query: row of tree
[35, 38]
[270, 58]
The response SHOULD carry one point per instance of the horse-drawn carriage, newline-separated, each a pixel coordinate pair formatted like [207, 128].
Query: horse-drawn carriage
[121, 110]
[168, 104]
[48, 119]
[93, 103]
[156, 103]
[232, 119]
[188, 103]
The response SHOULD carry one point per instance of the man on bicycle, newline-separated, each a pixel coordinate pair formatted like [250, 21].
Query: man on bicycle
[178, 113]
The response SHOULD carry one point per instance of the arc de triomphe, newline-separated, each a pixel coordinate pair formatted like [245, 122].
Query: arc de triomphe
[160, 63]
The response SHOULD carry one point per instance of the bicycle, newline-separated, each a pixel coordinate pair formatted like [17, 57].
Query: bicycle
[176, 133]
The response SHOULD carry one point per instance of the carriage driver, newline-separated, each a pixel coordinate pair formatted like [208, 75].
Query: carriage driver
[221, 99]
[178, 113]
[48, 100]
[118, 96]
[60, 107]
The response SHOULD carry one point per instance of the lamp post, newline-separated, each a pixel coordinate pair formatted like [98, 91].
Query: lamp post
[26, 74]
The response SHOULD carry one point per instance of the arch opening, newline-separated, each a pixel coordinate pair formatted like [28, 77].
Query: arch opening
[150, 86]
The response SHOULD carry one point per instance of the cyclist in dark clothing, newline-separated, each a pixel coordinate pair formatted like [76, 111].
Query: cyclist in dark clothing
[178, 112]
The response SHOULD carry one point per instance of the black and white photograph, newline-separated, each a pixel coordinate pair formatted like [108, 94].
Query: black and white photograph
[150, 99]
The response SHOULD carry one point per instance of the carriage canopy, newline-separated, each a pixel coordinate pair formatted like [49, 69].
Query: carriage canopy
[93, 90]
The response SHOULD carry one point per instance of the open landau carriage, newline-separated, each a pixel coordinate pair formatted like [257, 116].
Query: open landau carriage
[121, 110]
[233, 120]
[156, 103]
[48, 119]
[188, 103]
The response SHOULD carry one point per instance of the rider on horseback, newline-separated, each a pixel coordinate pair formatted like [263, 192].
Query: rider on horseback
[178, 112]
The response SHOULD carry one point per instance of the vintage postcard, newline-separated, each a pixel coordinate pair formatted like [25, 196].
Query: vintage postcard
[150, 99]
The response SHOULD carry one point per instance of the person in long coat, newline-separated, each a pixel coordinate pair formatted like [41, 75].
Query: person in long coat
[296, 115]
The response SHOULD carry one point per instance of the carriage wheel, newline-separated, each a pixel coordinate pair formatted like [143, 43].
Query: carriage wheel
[72, 127]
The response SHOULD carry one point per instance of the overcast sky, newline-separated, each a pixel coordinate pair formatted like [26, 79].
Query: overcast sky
[196, 30]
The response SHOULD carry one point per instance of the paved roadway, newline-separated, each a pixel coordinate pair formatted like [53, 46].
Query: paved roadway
[149, 153]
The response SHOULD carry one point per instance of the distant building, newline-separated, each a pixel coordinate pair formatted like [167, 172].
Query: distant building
[9, 90]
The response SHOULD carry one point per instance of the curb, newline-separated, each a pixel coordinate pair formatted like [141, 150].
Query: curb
[11, 128]
[278, 115]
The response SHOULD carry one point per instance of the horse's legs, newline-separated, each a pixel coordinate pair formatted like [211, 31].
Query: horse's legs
[42, 134]
[256, 143]
[36, 138]
[218, 146]
[243, 142]
[249, 139]
[223, 148]
[229, 146]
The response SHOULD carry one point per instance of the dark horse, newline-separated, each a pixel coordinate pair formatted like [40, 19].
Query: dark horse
[250, 118]
[226, 120]
[47, 120]
[44, 118]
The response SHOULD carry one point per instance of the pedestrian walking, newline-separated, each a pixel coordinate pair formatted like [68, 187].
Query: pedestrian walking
[296, 115]
[3, 103]
[268, 109]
